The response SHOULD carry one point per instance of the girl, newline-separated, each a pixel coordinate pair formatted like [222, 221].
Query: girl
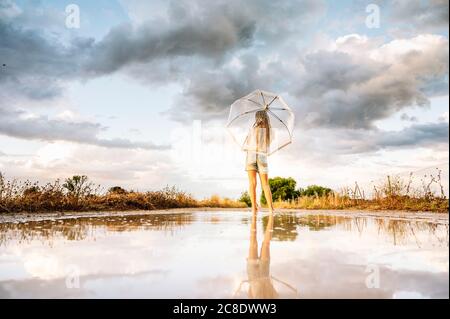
[259, 138]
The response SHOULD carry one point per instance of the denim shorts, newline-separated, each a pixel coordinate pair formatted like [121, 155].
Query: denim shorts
[256, 162]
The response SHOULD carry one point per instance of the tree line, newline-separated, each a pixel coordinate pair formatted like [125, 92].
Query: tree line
[284, 189]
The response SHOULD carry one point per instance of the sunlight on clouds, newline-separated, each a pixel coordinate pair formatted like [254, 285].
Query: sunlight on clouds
[54, 152]
[67, 115]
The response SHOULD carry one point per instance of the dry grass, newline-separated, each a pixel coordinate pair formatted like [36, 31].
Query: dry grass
[217, 201]
[78, 194]
[393, 194]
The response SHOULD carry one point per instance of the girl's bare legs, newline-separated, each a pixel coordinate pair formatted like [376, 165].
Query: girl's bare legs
[266, 188]
[252, 190]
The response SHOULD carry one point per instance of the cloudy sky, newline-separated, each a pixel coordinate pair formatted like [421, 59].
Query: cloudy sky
[137, 94]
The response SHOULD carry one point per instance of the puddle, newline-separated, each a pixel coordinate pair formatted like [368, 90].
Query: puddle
[224, 255]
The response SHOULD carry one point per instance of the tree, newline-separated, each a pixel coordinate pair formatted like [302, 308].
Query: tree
[245, 198]
[32, 190]
[78, 186]
[315, 190]
[117, 190]
[282, 189]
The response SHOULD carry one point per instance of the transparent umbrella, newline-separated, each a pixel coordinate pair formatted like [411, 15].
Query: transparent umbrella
[243, 114]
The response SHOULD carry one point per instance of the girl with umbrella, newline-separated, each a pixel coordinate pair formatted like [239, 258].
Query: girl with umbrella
[261, 123]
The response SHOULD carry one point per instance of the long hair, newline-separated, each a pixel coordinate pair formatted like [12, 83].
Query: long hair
[262, 121]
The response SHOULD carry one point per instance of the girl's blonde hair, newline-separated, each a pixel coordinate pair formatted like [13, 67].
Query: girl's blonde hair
[262, 121]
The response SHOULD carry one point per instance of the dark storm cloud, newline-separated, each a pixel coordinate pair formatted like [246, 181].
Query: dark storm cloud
[16, 123]
[20, 124]
[210, 37]
[38, 65]
[193, 33]
[202, 29]
[330, 70]
[341, 88]
[353, 91]
[341, 141]
[415, 135]
[35, 66]
[209, 93]
[35, 70]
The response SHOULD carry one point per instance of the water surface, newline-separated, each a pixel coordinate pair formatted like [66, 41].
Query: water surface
[224, 255]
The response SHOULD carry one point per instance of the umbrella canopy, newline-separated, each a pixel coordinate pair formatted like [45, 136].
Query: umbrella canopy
[244, 115]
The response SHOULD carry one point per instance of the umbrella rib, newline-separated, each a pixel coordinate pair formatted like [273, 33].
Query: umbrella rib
[272, 101]
[285, 283]
[262, 95]
[255, 102]
[281, 122]
[245, 142]
[240, 116]
[280, 147]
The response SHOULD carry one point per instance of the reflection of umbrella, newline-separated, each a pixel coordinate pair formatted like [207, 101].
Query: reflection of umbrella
[242, 119]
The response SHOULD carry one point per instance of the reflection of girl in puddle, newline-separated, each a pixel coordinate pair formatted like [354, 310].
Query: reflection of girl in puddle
[260, 282]
[258, 268]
